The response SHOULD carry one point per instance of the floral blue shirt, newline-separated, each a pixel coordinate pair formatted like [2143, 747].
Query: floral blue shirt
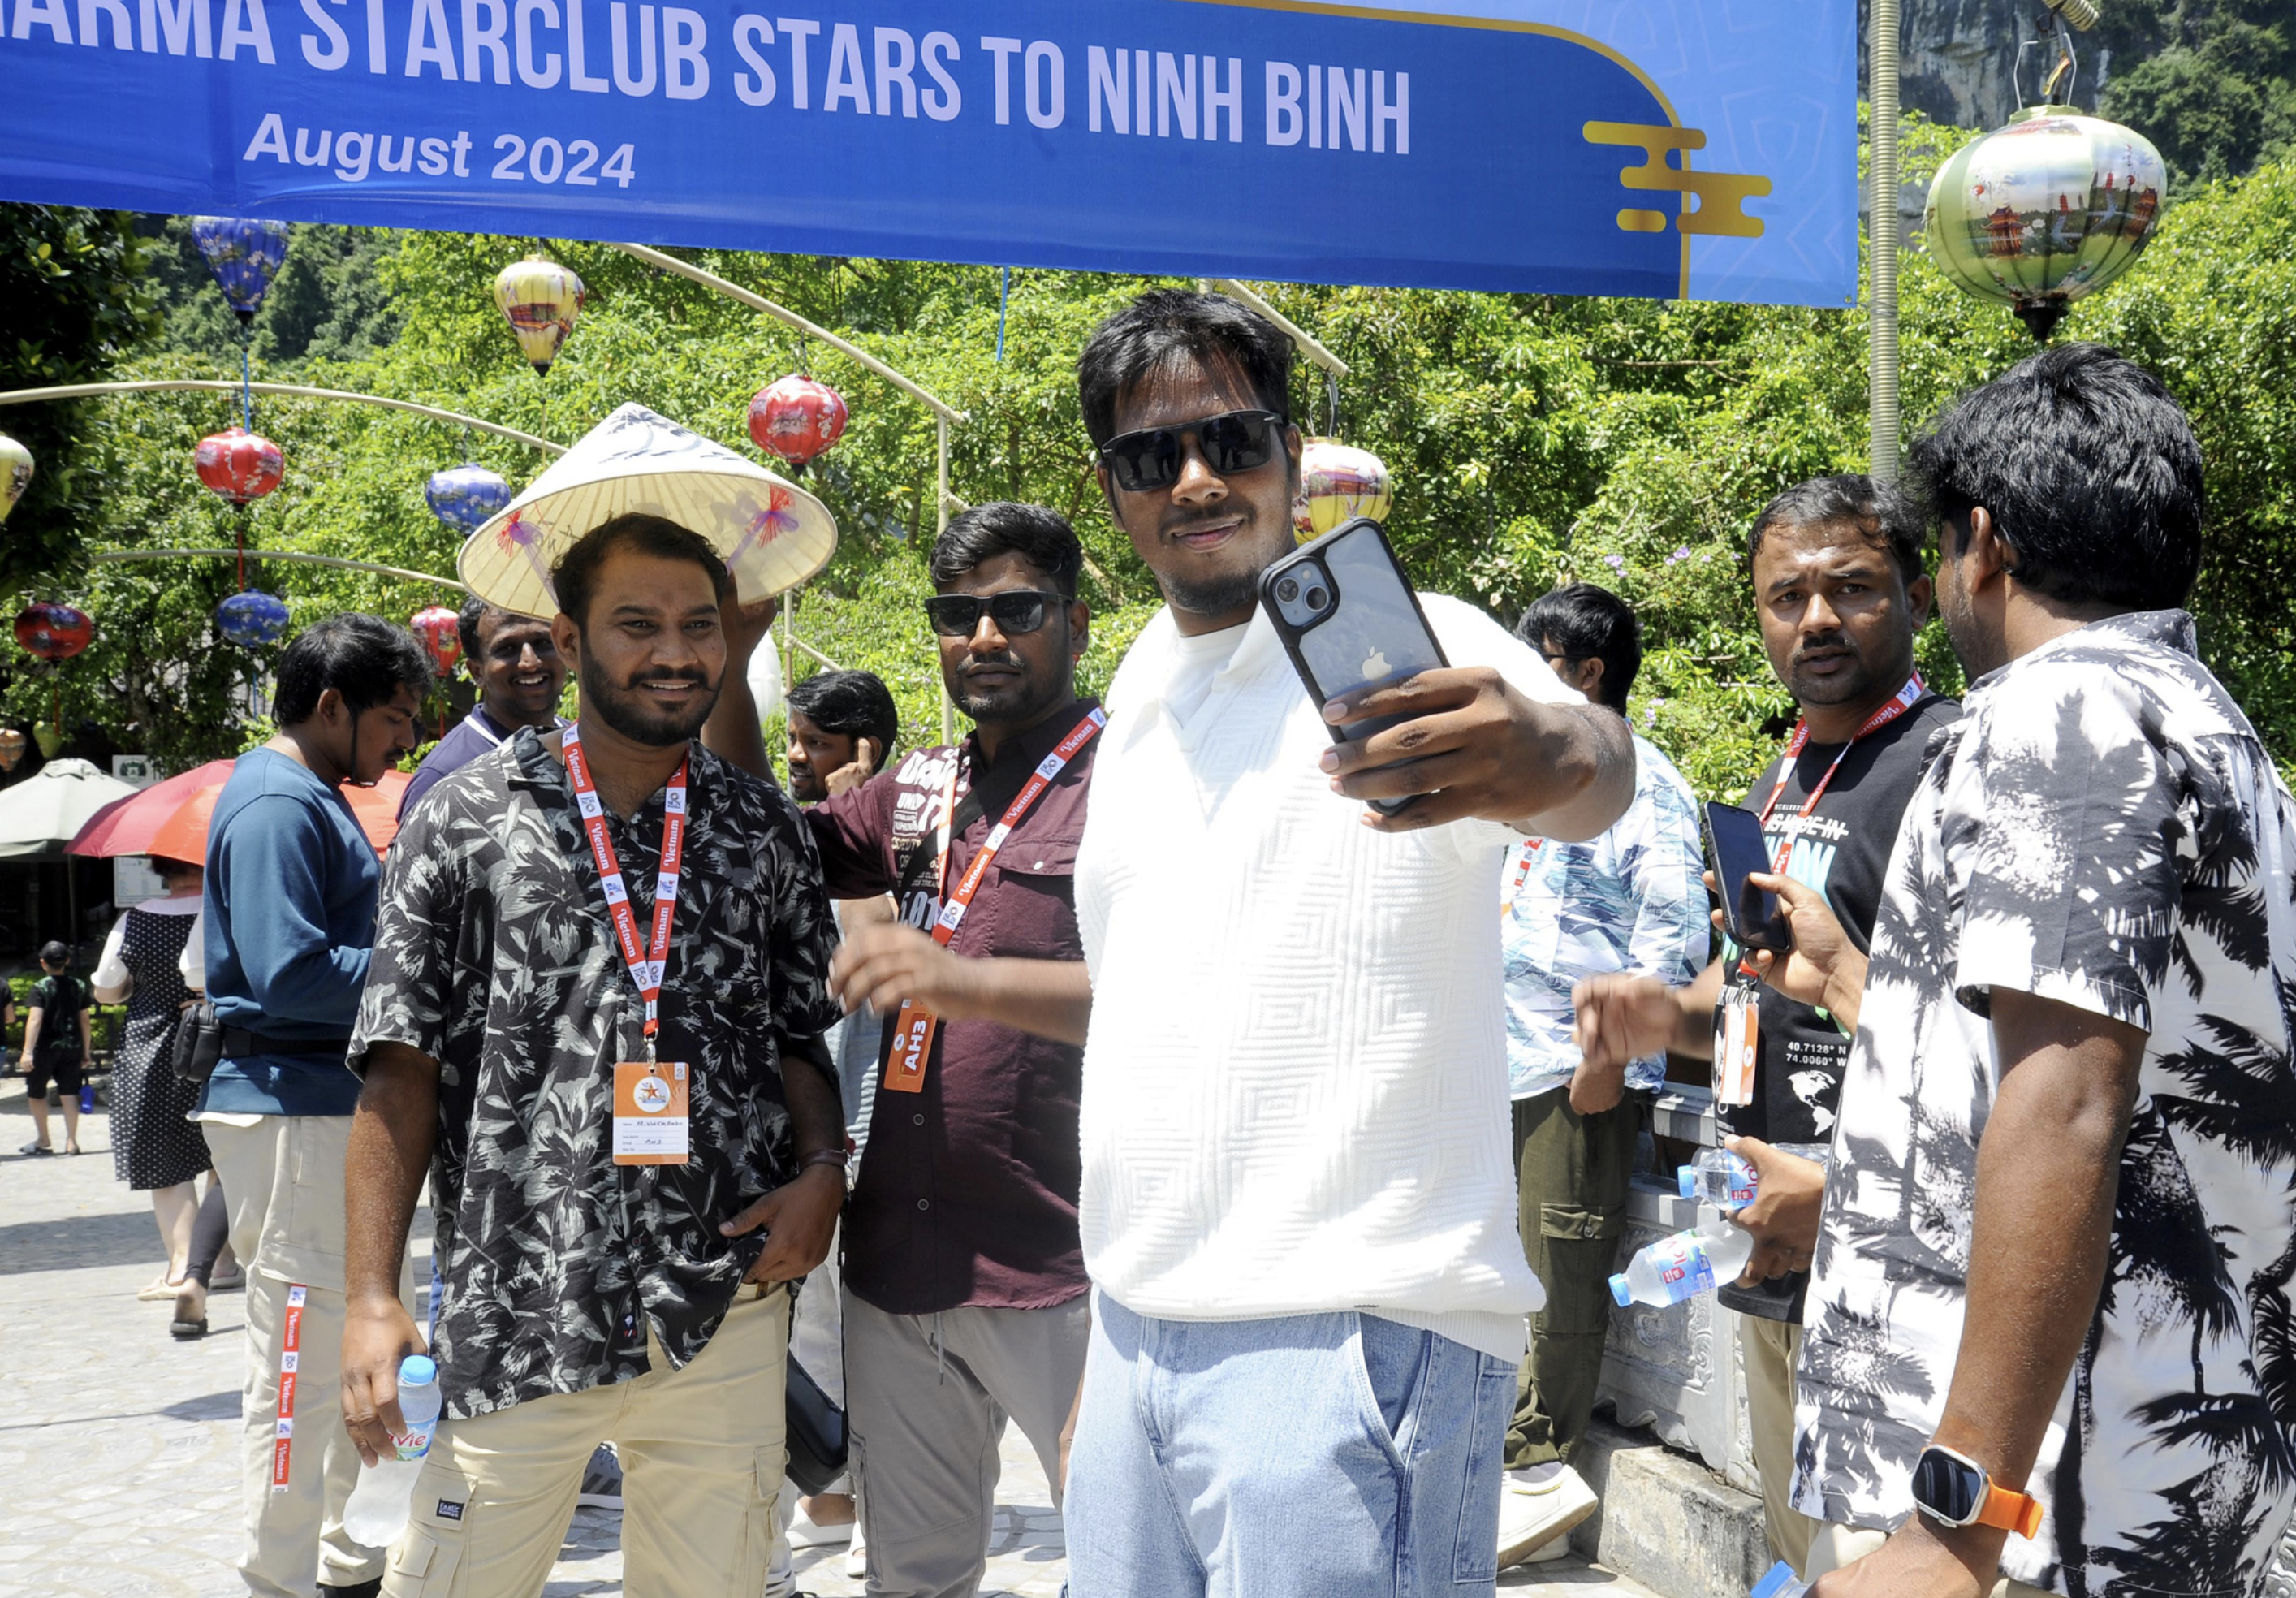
[1630, 900]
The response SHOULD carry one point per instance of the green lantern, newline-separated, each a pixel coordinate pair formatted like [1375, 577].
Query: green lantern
[2039, 213]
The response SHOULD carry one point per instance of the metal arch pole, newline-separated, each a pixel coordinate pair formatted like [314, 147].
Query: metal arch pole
[280, 554]
[1308, 346]
[940, 525]
[283, 390]
[1883, 240]
[758, 302]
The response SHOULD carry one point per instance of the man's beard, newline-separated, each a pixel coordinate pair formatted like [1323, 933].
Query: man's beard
[620, 708]
[806, 788]
[1018, 702]
[1859, 681]
[1213, 596]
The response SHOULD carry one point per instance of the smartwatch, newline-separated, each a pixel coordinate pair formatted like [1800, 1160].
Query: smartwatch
[1954, 1489]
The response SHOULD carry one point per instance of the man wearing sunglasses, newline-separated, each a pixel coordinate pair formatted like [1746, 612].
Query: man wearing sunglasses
[965, 1282]
[1298, 1209]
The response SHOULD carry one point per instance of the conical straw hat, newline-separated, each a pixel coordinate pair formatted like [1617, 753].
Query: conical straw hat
[773, 534]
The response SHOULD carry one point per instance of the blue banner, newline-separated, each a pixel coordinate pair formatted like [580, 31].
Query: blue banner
[1659, 148]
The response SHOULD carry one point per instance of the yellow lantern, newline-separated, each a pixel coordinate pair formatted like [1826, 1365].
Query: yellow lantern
[1338, 481]
[542, 298]
[15, 473]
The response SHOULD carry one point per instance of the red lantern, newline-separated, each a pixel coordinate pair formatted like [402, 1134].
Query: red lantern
[797, 418]
[239, 465]
[53, 632]
[439, 629]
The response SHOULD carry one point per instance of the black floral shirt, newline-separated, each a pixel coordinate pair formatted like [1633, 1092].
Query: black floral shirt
[2102, 828]
[493, 955]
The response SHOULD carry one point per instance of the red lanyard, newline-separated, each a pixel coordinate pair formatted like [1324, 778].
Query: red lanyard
[291, 1360]
[914, 1027]
[1530, 856]
[1906, 698]
[645, 964]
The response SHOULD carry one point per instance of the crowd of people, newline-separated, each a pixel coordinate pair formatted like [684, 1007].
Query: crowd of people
[1120, 1071]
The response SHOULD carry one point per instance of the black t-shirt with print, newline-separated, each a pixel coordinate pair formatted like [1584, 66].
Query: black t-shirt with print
[59, 1000]
[1844, 850]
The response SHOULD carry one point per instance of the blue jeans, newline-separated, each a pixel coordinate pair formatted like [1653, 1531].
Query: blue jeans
[1327, 1457]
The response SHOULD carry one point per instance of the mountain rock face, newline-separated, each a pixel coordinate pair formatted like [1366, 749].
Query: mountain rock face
[1960, 58]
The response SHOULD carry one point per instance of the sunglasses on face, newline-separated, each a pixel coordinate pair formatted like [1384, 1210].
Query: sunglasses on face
[1015, 611]
[1232, 442]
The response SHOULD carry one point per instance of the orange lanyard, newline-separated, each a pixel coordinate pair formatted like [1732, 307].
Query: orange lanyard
[914, 1027]
[645, 963]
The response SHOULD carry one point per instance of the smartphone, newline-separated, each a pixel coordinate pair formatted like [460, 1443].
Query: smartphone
[1736, 849]
[1348, 618]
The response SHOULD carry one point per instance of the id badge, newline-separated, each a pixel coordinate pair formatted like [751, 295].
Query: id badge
[650, 1117]
[912, 1040]
[1737, 1034]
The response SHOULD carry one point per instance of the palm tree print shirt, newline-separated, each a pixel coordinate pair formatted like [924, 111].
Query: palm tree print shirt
[493, 955]
[2103, 828]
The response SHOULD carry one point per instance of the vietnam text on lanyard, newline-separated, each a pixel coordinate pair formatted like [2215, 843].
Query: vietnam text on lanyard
[914, 1027]
[645, 963]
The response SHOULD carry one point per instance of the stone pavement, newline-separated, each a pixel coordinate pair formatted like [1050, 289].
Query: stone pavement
[119, 1446]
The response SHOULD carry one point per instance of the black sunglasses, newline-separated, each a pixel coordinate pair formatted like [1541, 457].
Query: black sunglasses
[1014, 611]
[1233, 441]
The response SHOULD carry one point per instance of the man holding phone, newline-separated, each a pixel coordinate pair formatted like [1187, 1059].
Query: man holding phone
[1841, 594]
[1298, 1203]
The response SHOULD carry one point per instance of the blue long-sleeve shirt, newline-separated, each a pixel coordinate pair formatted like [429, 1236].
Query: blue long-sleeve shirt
[289, 907]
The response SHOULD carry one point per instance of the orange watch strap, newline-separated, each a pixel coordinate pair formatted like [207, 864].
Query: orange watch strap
[2005, 1511]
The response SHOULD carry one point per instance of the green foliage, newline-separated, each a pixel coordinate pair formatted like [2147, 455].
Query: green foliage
[1533, 440]
[2213, 82]
[329, 302]
[72, 301]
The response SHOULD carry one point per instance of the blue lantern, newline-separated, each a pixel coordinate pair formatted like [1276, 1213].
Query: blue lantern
[243, 256]
[253, 617]
[465, 496]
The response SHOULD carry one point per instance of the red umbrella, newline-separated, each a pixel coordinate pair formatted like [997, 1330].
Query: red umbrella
[126, 826]
[170, 819]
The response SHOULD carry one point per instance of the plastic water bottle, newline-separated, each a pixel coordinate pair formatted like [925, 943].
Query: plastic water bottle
[1779, 1581]
[1718, 1178]
[88, 1098]
[1683, 1266]
[379, 1504]
[1722, 1179]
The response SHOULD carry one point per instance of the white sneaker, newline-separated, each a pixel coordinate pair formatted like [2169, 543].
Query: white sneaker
[804, 1532]
[1537, 1508]
[857, 1557]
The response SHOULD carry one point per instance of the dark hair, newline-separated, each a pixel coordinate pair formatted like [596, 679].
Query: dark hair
[2089, 471]
[364, 658]
[170, 870]
[1169, 328]
[467, 622]
[1588, 623]
[1042, 537]
[53, 952]
[574, 579]
[1889, 517]
[852, 704]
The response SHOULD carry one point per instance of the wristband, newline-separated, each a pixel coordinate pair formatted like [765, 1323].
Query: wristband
[835, 1156]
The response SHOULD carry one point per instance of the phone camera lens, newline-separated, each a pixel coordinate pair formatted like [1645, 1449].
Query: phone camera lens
[1287, 590]
[1317, 599]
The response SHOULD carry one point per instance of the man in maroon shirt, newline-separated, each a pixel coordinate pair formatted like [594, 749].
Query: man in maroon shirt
[965, 1281]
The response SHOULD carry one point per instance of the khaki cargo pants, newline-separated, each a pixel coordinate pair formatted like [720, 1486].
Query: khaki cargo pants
[701, 1452]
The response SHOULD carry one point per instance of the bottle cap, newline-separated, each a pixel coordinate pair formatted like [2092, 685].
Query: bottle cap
[1687, 1179]
[1622, 1291]
[1777, 1580]
[417, 1370]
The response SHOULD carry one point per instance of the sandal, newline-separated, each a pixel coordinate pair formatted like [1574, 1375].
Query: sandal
[186, 1327]
[228, 1282]
[35, 1148]
[159, 1289]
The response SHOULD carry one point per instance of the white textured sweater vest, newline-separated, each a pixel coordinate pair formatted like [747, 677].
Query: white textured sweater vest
[1295, 1087]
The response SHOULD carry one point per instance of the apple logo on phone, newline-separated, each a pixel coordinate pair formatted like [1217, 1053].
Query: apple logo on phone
[1375, 667]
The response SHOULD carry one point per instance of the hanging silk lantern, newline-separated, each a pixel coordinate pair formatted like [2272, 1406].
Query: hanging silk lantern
[2040, 212]
[1338, 481]
[12, 746]
[53, 632]
[465, 496]
[239, 465]
[542, 298]
[244, 256]
[253, 617]
[796, 417]
[15, 473]
[440, 633]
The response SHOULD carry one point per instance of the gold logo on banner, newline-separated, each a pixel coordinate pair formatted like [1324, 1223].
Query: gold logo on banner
[1720, 194]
